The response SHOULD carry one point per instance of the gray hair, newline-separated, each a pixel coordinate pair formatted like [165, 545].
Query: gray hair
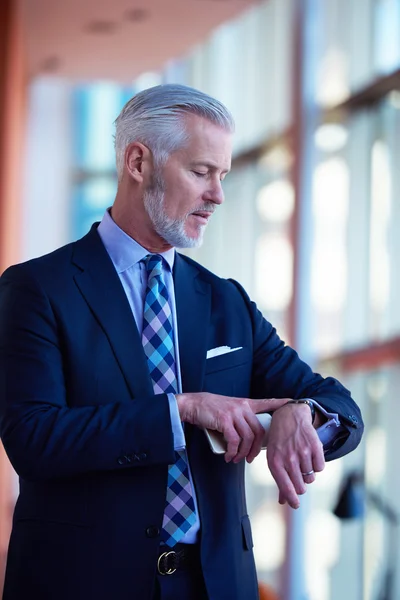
[154, 117]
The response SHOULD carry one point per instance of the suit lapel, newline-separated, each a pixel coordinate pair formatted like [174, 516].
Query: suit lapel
[193, 307]
[100, 285]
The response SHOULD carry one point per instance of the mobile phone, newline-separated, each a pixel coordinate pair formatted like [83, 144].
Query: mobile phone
[217, 441]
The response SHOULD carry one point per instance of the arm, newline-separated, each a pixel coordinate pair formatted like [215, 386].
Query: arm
[279, 372]
[44, 434]
[233, 417]
[293, 446]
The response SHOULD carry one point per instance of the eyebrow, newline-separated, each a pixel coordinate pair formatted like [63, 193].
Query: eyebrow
[209, 166]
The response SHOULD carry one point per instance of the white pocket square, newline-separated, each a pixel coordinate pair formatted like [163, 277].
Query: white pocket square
[221, 350]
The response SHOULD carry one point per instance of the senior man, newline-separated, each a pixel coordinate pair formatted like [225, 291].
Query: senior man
[117, 352]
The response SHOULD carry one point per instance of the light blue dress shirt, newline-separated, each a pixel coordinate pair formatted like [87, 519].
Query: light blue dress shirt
[127, 257]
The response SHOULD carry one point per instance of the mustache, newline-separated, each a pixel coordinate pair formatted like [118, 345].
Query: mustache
[208, 207]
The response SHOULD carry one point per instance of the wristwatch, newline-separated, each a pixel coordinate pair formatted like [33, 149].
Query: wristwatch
[309, 403]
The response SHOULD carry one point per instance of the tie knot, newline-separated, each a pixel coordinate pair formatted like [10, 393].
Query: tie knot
[153, 264]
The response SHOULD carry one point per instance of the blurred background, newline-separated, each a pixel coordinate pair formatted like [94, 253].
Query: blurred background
[310, 226]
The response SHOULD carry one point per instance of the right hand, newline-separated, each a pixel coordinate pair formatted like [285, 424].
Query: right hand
[233, 417]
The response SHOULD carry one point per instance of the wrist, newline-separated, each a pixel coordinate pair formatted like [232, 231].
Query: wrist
[182, 401]
[307, 402]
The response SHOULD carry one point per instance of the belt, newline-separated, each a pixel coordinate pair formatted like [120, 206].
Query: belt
[181, 556]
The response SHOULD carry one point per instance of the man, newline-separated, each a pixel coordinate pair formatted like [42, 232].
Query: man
[117, 352]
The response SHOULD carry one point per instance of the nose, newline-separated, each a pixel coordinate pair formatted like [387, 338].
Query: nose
[215, 193]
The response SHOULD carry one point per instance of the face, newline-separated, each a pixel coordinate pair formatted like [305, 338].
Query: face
[186, 191]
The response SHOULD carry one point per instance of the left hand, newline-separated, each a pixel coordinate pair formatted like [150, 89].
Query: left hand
[293, 448]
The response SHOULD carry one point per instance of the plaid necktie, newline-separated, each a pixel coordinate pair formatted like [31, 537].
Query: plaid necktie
[158, 344]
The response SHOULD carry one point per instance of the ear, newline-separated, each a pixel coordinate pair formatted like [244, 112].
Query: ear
[137, 161]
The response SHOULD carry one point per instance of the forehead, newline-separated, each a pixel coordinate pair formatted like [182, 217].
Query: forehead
[207, 141]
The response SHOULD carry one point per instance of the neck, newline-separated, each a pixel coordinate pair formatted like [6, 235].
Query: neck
[135, 222]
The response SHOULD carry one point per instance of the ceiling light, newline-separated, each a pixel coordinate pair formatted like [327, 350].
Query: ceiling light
[51, 64]
[101, 27]
[137, 15]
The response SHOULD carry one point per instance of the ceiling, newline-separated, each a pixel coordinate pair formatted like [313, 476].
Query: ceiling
[116, 39]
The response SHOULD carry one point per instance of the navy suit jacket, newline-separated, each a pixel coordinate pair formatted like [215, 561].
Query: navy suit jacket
[91, 443]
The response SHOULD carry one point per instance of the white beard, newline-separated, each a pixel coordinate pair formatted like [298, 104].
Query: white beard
[171, 230]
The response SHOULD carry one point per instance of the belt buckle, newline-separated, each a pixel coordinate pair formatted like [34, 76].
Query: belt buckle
[165, 555]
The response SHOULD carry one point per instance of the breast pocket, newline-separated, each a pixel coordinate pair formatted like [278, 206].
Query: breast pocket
[229, 374]
[229, 360]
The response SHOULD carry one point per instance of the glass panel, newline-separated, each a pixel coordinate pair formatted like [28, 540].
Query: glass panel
[346, 60]
[364, 557]
[359, 41]
[355, 284]
[379, 224]
[329, 261]
[246, 63]
[382, 535]
[384, 294]
[387, 35]
[274, 263]
[273, 251]
[96, 107]
[91, 198]
[335, 558]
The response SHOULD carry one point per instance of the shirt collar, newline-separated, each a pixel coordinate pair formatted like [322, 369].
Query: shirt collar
[123, 250]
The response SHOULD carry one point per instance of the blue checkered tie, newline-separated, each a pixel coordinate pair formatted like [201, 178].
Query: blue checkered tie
[158, 344]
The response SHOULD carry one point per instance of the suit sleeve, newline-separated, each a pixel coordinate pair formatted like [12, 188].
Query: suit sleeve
[44, 436]
[278, 372]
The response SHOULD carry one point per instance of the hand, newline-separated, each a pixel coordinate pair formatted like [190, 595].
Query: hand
[233, 417]
[293, 448]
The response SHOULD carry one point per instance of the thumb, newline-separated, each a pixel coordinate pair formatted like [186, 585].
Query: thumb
[267, 404]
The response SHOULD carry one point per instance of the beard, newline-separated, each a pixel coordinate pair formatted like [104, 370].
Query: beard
[170, 230]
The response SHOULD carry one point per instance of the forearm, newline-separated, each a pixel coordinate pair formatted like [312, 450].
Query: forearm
[46, 442]
[278, 371]
[52, 424]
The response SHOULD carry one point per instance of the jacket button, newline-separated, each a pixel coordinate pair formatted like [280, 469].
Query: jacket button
[142, 456]
[121, 460]
[152, 531]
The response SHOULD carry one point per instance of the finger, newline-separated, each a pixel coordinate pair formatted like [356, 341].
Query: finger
[246, 435]
[308, 476]
[295, 474]
[233, 440]
[267, 404]
[318, 458]
[307, 466]
[287, 492]
[258, 432]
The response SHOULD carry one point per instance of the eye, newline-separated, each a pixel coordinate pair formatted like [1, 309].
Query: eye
[198, 174]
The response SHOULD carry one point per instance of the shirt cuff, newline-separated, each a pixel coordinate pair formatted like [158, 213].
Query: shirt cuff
[177, 429]
[331, 429]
